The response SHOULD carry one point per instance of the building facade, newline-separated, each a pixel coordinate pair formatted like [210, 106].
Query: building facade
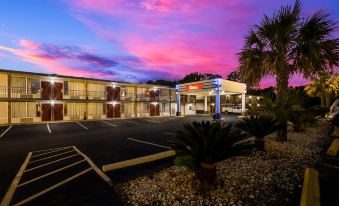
[31, 97]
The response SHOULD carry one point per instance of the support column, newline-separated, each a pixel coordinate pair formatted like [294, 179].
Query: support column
[205, 108]
[135, 102]
[9, 93]
[178, 104]
[217, 104]
[243, 104]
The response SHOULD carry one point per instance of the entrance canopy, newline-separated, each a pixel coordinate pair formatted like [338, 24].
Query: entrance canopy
[213, 87]
[209, 87]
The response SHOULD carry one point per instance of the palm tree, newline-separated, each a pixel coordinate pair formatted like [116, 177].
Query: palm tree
[286, 44]
[326, 88]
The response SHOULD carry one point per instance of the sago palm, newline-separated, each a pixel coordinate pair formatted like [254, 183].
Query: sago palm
[285, 44]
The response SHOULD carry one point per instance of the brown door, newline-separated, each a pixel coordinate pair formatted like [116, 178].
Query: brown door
[154, 109]
[157, 110]
[116, 92]
[109, 94]
[212, 109]
[117, 113]
[58, 108]
[109, 110]
[154, 95]
[46, 112]
[46, 90]
[58, 87]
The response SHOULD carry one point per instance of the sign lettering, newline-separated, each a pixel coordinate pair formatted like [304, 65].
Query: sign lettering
[194, 87]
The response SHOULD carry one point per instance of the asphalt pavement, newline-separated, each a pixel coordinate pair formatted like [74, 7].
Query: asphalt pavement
[65, 176]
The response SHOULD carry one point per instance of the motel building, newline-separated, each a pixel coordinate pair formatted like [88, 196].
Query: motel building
[32, 97]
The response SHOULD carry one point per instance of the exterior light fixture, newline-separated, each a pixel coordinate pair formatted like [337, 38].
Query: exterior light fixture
[258, 105]
[154, 103]
[258, 98]
[239, 96]
[52, 80]
[250, 97]
[222, 92]
[52, 102]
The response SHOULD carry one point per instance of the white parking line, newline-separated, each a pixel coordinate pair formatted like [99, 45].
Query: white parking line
[82, 125]
[150, 143]
[48, 149]
[45, 158]
[113, 125]
[58, 160]
[6, 131]
[62, 148]
[169, 133]
[152, 121]
[52, 187]
[130, 121]
[10, 192]
[50, 173]
[49, 130]
[95, 168]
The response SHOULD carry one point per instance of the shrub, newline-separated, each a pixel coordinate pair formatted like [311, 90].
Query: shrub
[200, 144]
[301, 118]
[335, 120]
[259, 126]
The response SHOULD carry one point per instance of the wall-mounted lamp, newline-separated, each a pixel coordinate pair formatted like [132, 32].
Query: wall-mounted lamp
[52, 102]
[52, 80]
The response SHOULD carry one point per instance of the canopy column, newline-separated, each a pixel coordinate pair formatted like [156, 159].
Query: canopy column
[178, 104]
[205, 108]
[243, 104]
[217, 104]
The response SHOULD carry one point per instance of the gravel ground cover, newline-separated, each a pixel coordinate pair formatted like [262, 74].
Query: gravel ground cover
[273, 177]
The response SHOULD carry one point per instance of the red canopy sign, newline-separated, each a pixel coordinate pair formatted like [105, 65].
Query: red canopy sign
[193, 86]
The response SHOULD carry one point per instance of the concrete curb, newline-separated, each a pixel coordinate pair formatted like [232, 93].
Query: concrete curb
[311, 191]
[334, 148]
[137, 161]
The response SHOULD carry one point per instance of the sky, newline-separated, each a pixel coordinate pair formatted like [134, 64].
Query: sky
[134, 40]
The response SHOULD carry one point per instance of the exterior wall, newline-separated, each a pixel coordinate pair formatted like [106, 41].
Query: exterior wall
[71, 98]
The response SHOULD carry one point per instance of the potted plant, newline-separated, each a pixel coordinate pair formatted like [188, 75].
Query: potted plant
[201, 144]
[259, 126]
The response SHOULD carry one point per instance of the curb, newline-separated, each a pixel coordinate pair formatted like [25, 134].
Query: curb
[137, 161]
[334, 148]
[311, 191]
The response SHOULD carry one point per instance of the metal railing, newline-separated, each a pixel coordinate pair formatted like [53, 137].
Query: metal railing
[22, 92]
[3, 92]
[99, 94]
[75, 93]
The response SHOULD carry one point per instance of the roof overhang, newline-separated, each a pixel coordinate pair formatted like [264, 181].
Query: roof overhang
[208, 87]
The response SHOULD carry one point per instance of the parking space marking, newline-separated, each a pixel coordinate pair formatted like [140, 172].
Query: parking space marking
[149, 120]
[61, 148]
[49, 149]
[49, 129]
[81, 125]
[15, 183]
[58, 160]
[45, 158]
[130, 121]
[50, 173]
[150, 143]
[113, 125]
[3, 134]
[169, 133]
[94, 167]
[53, 187]
[10, 192]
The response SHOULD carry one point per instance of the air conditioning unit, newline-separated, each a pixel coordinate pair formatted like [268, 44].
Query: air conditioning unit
[74, 118]
[97, 117]
[26, 120]
[26, 96]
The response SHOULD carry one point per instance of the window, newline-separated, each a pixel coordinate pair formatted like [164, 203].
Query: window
[18, 85]
[33, 85]
[24, 109]
[95, 108]
[75, 109]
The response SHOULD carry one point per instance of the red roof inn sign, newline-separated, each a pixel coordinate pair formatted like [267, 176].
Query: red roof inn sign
[193, 87]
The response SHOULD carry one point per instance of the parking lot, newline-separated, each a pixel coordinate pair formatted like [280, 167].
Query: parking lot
[68, 144]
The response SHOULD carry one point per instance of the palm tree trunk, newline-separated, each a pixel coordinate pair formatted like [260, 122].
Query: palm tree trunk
[282, 92]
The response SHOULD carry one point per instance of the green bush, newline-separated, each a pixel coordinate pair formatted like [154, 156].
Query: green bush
[301, 118]
[200, 144]
[259, 126]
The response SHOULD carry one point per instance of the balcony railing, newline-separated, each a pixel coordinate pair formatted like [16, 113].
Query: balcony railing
[22, 92]
[74, 94]
[128, 97]
[3, 92]
[100, 95]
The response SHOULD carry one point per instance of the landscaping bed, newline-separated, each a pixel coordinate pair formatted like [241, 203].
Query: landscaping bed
[272, 177]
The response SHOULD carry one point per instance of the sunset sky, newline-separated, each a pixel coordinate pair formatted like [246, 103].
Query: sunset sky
[133, 40]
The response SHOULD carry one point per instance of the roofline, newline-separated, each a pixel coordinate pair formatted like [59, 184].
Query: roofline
[80, 78]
